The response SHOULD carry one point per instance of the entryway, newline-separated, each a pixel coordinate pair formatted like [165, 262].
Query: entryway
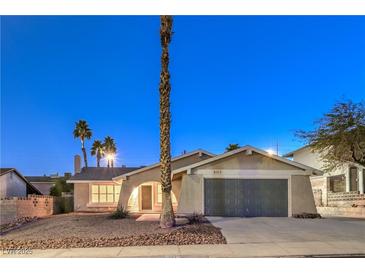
[146, 197]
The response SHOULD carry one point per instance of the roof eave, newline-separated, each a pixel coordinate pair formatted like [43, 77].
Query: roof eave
[125, 176]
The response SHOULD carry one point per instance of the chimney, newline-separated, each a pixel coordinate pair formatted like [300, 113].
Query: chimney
[77, 164]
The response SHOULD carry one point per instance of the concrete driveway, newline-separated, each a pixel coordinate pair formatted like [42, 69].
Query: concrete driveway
[273, 236]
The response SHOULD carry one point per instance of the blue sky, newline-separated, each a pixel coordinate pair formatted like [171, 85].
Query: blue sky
[245, 79]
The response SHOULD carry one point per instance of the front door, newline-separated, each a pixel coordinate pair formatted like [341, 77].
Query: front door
[146, 197]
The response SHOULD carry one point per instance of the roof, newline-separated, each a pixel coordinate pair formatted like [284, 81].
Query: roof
[30, 187]
[291, 154]
[40, 179]
[6, 170]
[100, 173]
[244, 148]
[157, 164]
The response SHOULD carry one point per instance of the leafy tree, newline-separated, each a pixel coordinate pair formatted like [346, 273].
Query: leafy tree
[110, 149]
[232, 147]
[83, 132]
[98, 150]
[167, 218]
[59, 187]
[339, 136]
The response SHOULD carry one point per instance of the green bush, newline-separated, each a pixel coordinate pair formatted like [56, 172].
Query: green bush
[120, 213]
[59, 187]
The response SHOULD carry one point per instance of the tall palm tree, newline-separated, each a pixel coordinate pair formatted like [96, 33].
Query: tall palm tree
[110, 149]
[167, 218]
[83, 132]
[98, 150]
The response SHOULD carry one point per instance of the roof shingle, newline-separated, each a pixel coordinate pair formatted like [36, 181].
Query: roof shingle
[101, 173]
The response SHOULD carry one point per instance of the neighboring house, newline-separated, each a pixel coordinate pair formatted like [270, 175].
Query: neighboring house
[246, 182]
[13, 184]
[45, 183]
[341, 187]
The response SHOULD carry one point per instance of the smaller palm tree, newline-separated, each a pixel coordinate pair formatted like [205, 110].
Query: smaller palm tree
[83, 132]
[232, 147]
[110, 149]
[98, 150]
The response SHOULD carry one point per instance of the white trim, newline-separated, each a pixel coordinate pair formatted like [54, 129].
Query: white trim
[93, 182]
[200, 151]
[259, 151]
[101, 204]
[226, 173]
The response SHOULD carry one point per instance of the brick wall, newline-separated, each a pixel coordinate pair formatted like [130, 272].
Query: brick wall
[346, 199]
[354, 212]
[31, 206]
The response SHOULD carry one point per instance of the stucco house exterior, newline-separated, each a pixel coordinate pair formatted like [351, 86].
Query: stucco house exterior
[245, 182]
[14, 184]
[99, 189]
[343, 187]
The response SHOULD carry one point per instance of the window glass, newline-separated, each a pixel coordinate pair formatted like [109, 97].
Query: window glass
[105, 193]
[102, 189]
[95, 189]
[102, 198]
[159, 194]
[95, 198]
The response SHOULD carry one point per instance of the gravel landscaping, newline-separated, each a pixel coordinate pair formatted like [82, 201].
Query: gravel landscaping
[98, 230]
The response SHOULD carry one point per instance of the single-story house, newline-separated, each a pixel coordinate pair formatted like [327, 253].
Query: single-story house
[245, 182]
[343, 186]
[99, 188]
[14, 184]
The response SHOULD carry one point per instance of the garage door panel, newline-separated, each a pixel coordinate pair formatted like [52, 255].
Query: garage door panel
[214, 199]
[246, 197]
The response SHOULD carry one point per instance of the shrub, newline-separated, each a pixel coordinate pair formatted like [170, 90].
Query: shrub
[307, 216]
[59, 187]
[196, 218]
[120, 213]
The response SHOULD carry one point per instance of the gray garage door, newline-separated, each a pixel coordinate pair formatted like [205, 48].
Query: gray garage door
[246, 197]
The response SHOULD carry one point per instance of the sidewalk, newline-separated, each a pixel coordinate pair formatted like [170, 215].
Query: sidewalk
[279, 249]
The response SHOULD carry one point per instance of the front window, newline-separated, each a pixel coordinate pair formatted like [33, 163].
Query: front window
[337, 183]
[105, 193]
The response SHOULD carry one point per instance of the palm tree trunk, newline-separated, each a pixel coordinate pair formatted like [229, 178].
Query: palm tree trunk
[84, 153]
[167, 218]
[98, 160]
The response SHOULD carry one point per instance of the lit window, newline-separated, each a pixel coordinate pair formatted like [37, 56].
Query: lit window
[159, 194]
[95, 193]
[105, 193]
